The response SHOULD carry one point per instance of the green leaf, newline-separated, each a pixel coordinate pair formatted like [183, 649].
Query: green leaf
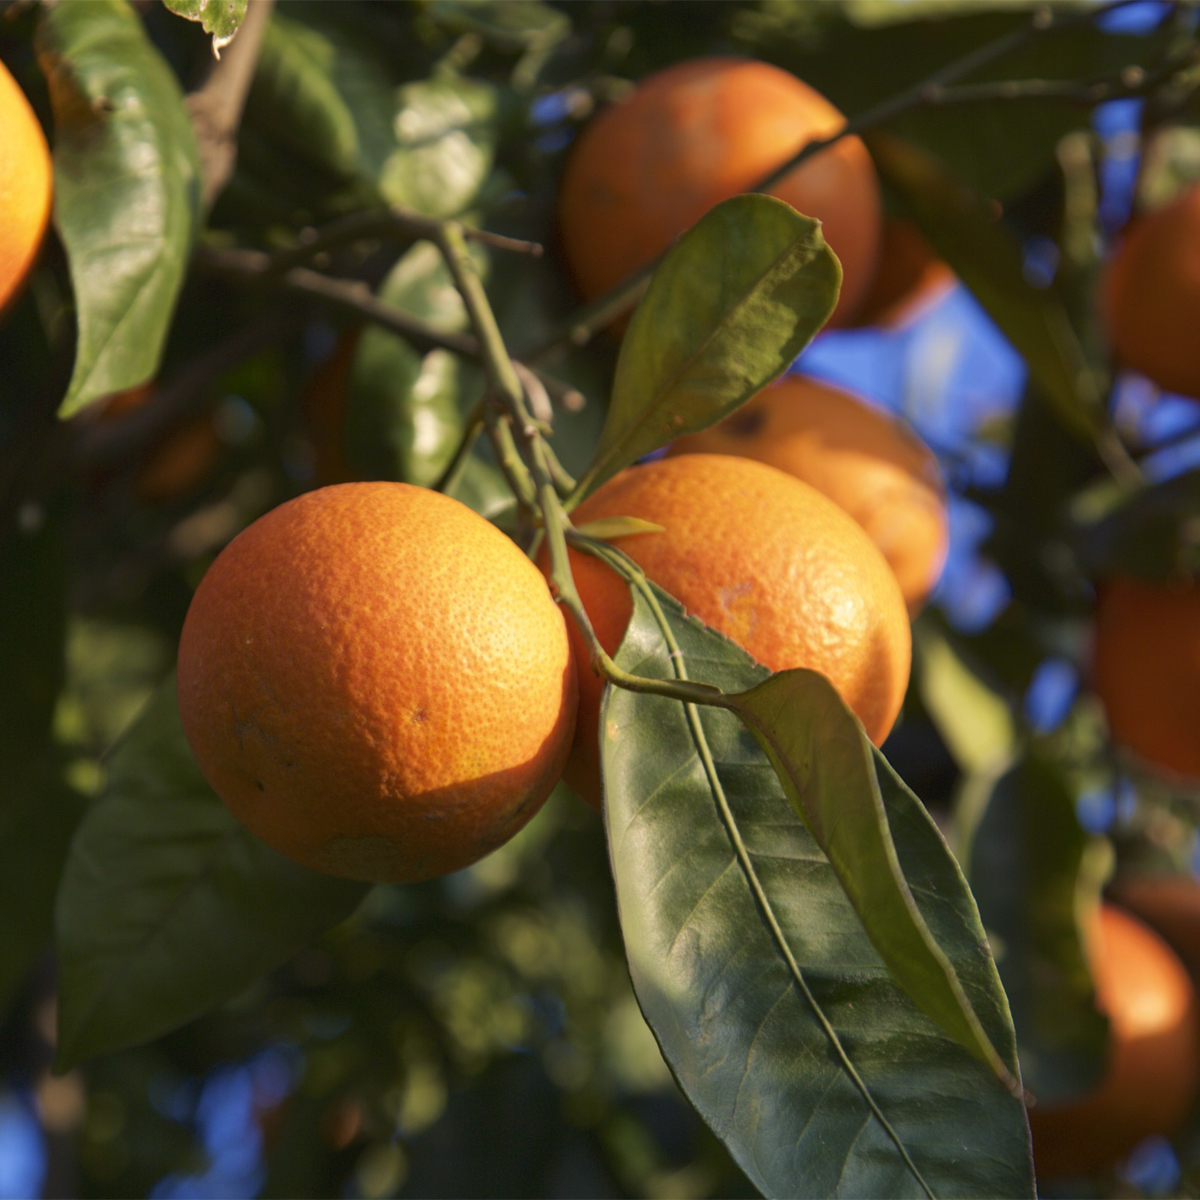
[221, 18]
[828, 769]
[37, 821]
[974, 720]
[729, 308]
[1152, 534]
[775, 1012]
[404, 409]
[33, 617]
[513, 26]
[1035, 873]
[446, 130]
[126, 182]
[608, 528]
[168, 906]
[987, 257]
[318, 93]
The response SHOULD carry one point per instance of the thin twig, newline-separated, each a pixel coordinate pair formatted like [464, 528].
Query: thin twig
[447, 480]
[216, 106]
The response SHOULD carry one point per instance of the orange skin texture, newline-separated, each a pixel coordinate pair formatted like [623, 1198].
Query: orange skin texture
[377, 682]
[908, 274]
[1146, 670]
[867, 463]
[762, 558]
[1150, 295]
[26, 187]
[646, 169]
[181, 461]
[1150, 1082]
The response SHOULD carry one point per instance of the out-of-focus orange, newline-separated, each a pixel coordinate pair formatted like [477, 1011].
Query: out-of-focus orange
[1153, 1071]
[377, 682]
[1151, 295]
[1170, 905]
[647, 168]
[885, 477]
[26, 186]
[908, 275]
[1146, 669]
[762, 558]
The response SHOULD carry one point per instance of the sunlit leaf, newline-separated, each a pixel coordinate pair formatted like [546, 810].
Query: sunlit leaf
[126, 181]
[221, 18]
[729, 308]
[777, 1016]
[169, 906]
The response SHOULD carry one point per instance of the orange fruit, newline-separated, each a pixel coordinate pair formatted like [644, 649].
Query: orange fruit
[1146, 669]
[866, 462]
[377, 682]
[762, 558]
[1150, 295]
[26, 185]
[1170, 905]
[1153, 1068]
[179, 461]
[908, 274]
[647, 168]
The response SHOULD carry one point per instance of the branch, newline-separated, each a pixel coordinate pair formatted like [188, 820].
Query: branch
[216, 106]
[582, 325]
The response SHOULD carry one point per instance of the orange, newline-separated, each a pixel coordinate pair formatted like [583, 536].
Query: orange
[762, 558]
[1151, 295]
[1146, 669]
[180, 461]
[26, 184]
[1170, 905]
[1153, 1068]
[377, 682]
[649, 167]
[886, 478]
[908, 274]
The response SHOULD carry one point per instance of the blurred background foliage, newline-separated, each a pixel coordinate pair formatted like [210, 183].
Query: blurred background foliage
[478, 1035]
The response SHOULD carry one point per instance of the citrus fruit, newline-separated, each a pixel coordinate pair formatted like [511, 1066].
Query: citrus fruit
[377, 682]
[1153, 1066]
[180, 460]
[1151, 294]
[886, 478]
[1170, 905]
[762, 558]
[26, 182]
[907, 276]
[1146, 669]
[647, 168]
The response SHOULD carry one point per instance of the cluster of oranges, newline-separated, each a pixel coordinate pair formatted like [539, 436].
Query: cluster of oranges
[379, 683]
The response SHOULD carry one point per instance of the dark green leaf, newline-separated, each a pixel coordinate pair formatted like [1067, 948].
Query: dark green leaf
[1032, 875]
[33, 623]
[778, 1017]
[1153, 534]
[37, 820]
[404, 409]
[729, 308]
[513, 26]
[447, 131]
[126, 181]
[221, 18]
[319, 94]
[987, 258]
[828, 767]
[168, 906]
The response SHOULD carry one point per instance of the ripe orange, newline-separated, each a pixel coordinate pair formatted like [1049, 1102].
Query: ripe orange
[886, 478]
[1170, 905]
[377, 682]
[1153, 1070]
[1151, 294]
[180, 461]
[1146, 669]
[908, 274]
[26, 182]
[648, 168]
[761, 557]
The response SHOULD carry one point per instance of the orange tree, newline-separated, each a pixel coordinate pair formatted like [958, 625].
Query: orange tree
[770, 964]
